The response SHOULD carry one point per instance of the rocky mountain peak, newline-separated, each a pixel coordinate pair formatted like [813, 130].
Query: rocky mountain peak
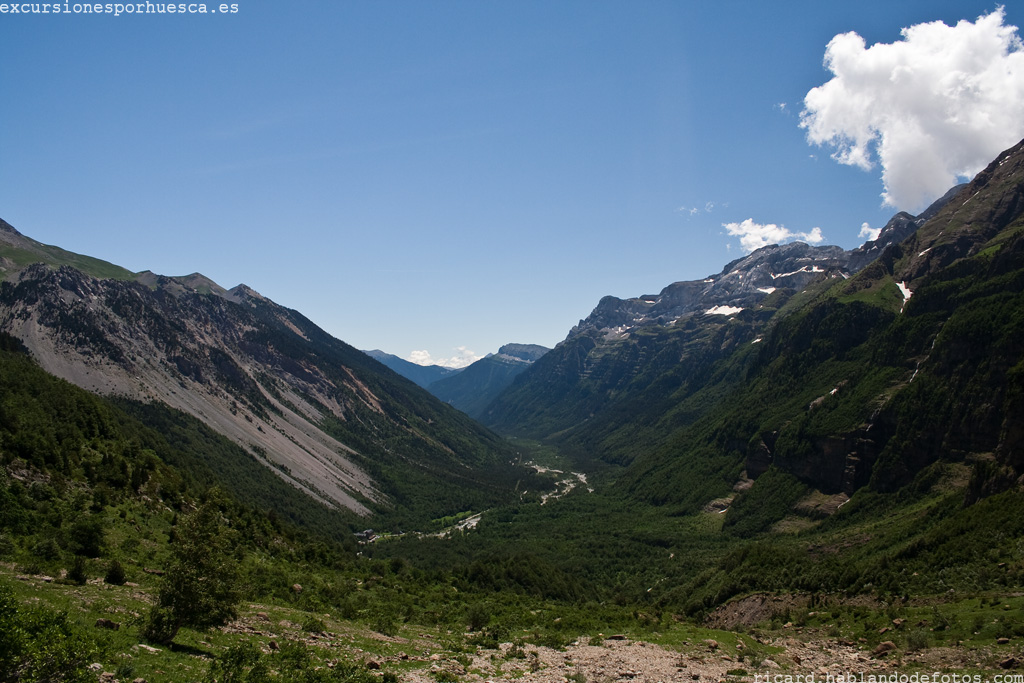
[8, 229]
[741, 284]
[196, 283]
[243, 292]
[746, 281]
[522, 352]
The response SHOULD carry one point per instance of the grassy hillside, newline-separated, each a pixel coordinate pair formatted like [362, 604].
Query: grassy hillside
[18, 252]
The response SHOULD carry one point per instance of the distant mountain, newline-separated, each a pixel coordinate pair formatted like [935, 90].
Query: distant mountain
[528, 353]
[473, 389]
[423, 375]
[323, 416]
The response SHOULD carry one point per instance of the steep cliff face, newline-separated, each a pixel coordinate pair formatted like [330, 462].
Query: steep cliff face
[628, 348]
[989, 205]
[914, 360]
[745, 282]
[324, 416]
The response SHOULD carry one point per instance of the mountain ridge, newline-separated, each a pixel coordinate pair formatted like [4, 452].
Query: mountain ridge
[746, 280]
[571, 384]
[323, 416]
[18, 252]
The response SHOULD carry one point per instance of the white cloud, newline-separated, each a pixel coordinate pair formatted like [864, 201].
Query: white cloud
[932, 108]
[756, 235]
[868, 233]
[694, 210]
[461, 359]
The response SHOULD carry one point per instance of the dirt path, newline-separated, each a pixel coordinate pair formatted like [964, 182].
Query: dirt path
[640, 662]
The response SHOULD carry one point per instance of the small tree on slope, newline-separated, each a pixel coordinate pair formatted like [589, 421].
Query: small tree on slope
[200, 588]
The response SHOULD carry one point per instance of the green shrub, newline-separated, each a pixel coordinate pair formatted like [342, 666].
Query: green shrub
[384, 623]
[31, 568]
[294, 663]
[160, 626]
[242, 663]
[38, 644]
[314, 625]
[115, 574]
[87, 536]
[77, 573]
[478, 616]
[47, 549]
[126, 671]
[7, 546]
[917, 640]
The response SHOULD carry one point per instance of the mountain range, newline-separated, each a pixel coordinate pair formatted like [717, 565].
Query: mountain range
[824, 445]
[477, 385]
[634, 377]
[323, 416]
[631, 382]
[649, 344]
[809, 362]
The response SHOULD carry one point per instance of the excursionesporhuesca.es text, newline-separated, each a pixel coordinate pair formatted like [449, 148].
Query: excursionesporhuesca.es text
[117, 9]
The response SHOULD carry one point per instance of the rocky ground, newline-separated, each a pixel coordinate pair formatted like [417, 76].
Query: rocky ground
[789, 654]
[608, 661]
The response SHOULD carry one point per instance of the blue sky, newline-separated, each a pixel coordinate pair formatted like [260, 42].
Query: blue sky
[441, 175]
